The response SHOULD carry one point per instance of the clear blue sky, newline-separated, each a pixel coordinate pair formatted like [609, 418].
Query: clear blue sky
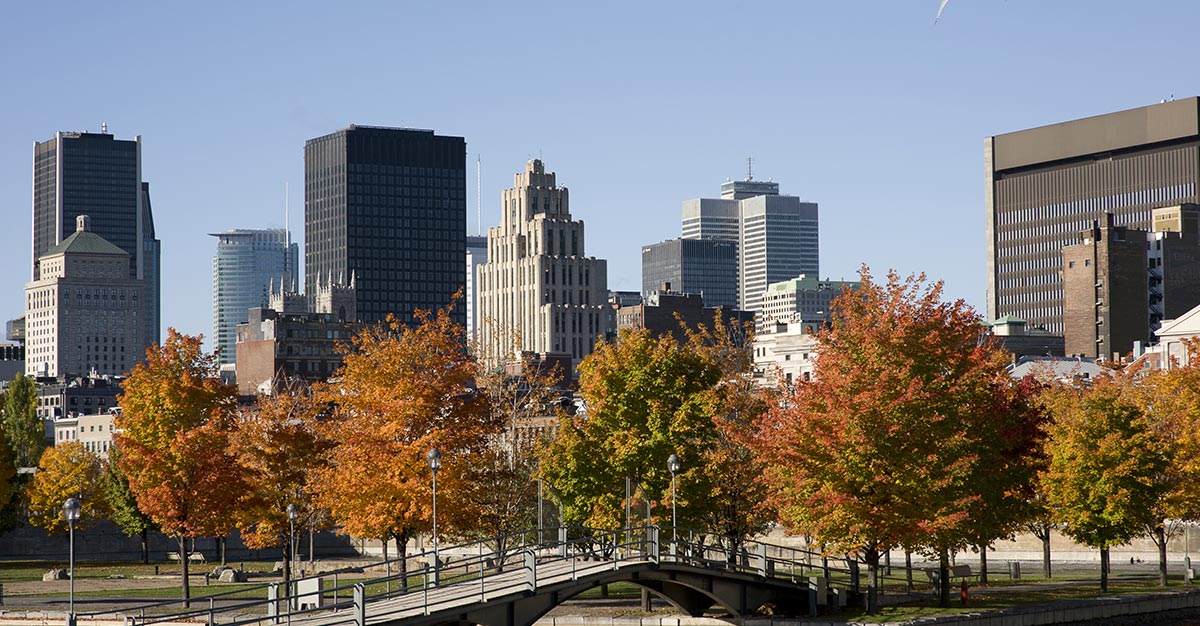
[865, 107]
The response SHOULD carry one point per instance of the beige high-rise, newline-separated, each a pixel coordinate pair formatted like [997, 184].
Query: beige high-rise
[537, 285]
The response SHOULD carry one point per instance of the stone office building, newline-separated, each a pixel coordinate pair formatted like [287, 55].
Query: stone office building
[538, 285]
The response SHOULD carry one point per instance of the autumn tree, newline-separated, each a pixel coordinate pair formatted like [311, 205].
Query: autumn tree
[1105, 460]
[650, 397]
[174, 438]
[10, 487]
[279, 444]
[402, 390]
[122, 504]
[501, 495]
[65, 471]
[903, 430]
[22, 426]
[1170, 403]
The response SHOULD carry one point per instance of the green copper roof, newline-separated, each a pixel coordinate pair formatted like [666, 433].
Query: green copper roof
[1008, 319]
[85, 242]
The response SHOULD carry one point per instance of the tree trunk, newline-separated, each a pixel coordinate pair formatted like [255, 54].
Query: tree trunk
[943, 578]
[145, 546]
[871, 555]
[183, 559]
[402, 552]
[221, 547]
[1104, 569]
[983, 564]
[908, 570]
[1046, 554]
[1160, 538]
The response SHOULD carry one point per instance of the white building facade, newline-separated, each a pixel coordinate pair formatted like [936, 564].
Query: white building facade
[538, 286]
[84, 314]
[777, 236]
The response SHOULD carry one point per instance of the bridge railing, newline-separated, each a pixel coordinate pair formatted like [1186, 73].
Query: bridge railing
[478, 569]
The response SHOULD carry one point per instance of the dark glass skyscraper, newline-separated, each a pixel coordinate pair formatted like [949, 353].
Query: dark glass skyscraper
[100, 176]
[388, 207]
[702, 266]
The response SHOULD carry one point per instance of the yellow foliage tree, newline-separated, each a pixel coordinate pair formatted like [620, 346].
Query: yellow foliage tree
[64, 471]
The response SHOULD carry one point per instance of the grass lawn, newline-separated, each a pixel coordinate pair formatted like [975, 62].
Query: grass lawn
[26, 571]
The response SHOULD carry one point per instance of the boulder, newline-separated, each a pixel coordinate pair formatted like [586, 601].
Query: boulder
[231, 575]
[57, 573]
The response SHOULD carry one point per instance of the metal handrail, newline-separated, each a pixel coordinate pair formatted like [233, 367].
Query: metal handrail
[521, 562]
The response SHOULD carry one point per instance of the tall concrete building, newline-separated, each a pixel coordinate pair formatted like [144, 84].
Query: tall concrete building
[98, 175]
[777, 236]
[538, 284]
[476, 256]
[707, 267]
[248, 262]
[387, 206]
[84, 313]
[1047, 184]
[1104, 291]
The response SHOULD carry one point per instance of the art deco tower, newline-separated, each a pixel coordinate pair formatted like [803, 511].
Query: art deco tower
[537, 285]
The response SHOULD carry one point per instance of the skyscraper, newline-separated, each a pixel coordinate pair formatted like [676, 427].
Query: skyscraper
[777, 236]
[1046, 185]
[387, 206]
[707, 267]
[95, 174]
[538, 286]
[246, 265]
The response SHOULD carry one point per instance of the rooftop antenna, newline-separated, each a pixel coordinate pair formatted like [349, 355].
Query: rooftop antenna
[287, 233]
[749, 169]
[478, 194]
[104, 127]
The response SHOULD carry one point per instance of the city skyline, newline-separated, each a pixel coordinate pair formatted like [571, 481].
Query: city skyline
[887, 134]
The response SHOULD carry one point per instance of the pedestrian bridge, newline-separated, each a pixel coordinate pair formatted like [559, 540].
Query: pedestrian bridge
[475, 584]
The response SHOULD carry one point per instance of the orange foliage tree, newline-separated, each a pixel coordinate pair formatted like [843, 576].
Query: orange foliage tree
[64, 471]
[174, 440]
[401, 392]
[902, 431]
[279, 445]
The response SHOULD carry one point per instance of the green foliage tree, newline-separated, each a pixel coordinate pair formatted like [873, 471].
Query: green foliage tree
[64, 471]
[122, 503]
[650, 397]
[24, 429]
[174, 440]
[8, 484]
[903, 430]
[1105, 464]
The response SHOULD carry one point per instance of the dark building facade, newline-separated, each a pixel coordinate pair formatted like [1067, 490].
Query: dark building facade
[100, 176]
[387, 206]
[1105, 291]
[1045, 185]
[667, 312]
[1173, 263]
[274, 347]
[703, 266]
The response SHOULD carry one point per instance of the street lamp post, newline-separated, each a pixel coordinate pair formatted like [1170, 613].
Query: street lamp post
[71, 509]
[293, 512]
[673, 464]
[435, 463]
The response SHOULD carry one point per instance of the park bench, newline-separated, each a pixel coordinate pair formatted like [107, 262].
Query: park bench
[193, 557]
[960, 572]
